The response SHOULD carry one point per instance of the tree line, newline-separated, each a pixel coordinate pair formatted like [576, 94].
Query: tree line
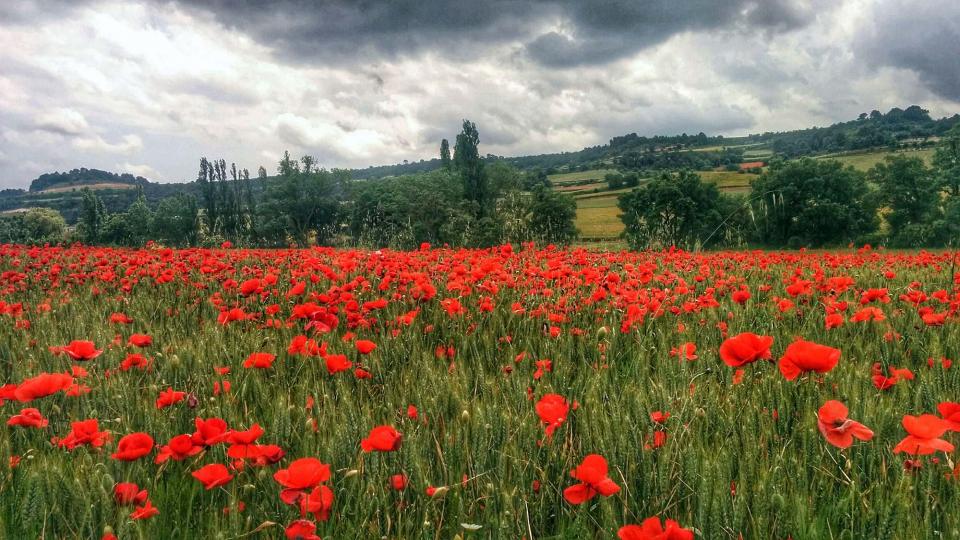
[472, 201]
[900, 202]
[465, 202]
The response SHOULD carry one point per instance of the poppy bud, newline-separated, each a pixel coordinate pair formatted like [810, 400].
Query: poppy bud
[192, 401]
[249, 487]
[465, 415]
[602, 331]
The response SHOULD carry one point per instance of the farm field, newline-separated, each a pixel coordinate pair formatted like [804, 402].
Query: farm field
[866, 160]
[506, 392]
[580, 176]
[728, 181]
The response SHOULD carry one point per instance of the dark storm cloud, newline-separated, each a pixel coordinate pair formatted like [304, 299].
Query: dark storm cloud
[583, 32]
[923, 37]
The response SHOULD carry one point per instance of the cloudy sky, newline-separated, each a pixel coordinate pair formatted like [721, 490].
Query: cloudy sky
[150, 86]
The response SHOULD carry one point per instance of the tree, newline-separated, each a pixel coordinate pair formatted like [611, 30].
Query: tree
[304, 202]
[467, 162]
[134, 227]
[92, 217]
[811, 202]
[42, 226]
[672, 210]
[614, 180]
[208, 190]
[946, 160]
[909, 192]
[175, 221]
[405, 211]
[445, 154]
[552, 216]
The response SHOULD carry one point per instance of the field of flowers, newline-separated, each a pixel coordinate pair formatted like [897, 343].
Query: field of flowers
[501, 393]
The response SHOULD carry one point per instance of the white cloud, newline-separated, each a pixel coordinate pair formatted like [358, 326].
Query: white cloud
[143, 170]
[162, 86]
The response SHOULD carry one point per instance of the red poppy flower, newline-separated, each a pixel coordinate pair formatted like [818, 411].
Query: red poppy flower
[301, 475]
[659, 417]
[260, 360]
[129, 493]
[179, 448]
[923, 435]
[209, 432]
[382, 439]
[140, 340]
[839, 430]
[169, 397]
[745, 348]
[82, 350]
[318, 502]
[133, 446]
[365, 346]
[802, 356]
[28, 418]
[212, 475]
[250, 286]
[552, 410]
[134, 360]
[148, 510]
[301, 529]
[592, 474]
[950, 412]
[42, 385]
[337, 363]
[651, 529]
[398, 482]
[84, 432]
[120, 318]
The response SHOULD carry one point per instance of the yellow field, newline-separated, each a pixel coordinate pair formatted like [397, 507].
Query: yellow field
[95, 187]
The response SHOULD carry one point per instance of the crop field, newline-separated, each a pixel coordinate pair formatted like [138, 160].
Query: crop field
[728, 181]
[580, 176]
[509, 392]
[864, 161]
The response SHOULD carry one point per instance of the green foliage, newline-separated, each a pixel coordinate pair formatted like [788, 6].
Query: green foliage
[36, 226]
[672, 210]
[909, 192]
[92, 217]
[812, 203]
[467, 162]
[84, 176]
[175, 221]
[946, 159]
[406, 211]
[304, 202]
[552, 216]
[445, 154]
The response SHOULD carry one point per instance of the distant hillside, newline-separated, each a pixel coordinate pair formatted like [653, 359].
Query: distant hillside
[84, 177]
[899, 128]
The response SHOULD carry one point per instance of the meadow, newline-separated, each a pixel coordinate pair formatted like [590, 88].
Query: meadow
[510, 392]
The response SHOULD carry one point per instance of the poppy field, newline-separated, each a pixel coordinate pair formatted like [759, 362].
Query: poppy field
[511, 392]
